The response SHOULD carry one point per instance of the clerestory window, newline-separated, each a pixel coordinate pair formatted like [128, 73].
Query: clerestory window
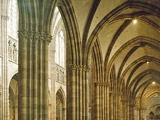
[59, 57]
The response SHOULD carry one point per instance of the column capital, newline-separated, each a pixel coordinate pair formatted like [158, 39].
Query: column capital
[79, 67]
[32, 35]
[74, 66]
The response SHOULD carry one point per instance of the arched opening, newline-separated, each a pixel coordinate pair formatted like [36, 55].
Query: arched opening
[151, 115]
[60, 105]
[13, 98]
[57, 67]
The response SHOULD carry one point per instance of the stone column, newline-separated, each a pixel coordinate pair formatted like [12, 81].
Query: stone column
[64, 113]
[131, 111]
[86, 79]
[33, 75]
[77, 86]
[141, 110]
[111, 105]
[125, 108]
[97, 100]
[117, 107]
[5, 89]
[71, 88]
[52, 77]
[106, 101]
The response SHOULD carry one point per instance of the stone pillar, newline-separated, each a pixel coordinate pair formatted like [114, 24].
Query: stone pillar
[71, 88]
[108, 101]
[86, 79]
[125, 108]
[33, 76]
[111, 105]
[64, 113]
[141, 112]
[131, 111]
[117, 107]
[52, 77]
[5, 89]
[77, 86]
[97, 100]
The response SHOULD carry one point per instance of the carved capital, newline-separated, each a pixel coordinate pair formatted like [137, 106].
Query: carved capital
[30, 35]
[85, 68]
[23, 34]
[35, 35]
[73, 66]
[79, 67]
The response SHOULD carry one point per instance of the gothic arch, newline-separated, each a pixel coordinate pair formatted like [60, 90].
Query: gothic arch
[13, 97]
[60, 104]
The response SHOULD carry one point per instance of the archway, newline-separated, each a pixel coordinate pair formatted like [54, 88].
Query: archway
[60, 105]
[13, 98]
[57, 61]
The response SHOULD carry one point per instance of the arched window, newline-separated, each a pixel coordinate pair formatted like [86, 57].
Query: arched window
[13, 19]
[13, 31]
[60, 49]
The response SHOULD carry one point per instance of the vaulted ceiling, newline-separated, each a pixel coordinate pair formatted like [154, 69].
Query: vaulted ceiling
[128, 33]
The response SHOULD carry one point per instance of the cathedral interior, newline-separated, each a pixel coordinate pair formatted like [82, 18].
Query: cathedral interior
[80, 60]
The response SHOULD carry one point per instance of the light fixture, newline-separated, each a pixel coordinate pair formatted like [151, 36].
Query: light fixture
[134, 21]
[147, 62]
[153, 83]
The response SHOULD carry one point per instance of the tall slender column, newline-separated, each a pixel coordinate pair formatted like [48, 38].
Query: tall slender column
[52, 75]
[111, 105]
[71, 98]
[131, 111]
[77, 100]
[5, 89]
[117, 107]
[127, 109]
[124, 108]
[79, 95]
[64, 113]
[97, 100]
[108, 101]
[141, 110]
[33, 76]
[84, 90]
[87, 92]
